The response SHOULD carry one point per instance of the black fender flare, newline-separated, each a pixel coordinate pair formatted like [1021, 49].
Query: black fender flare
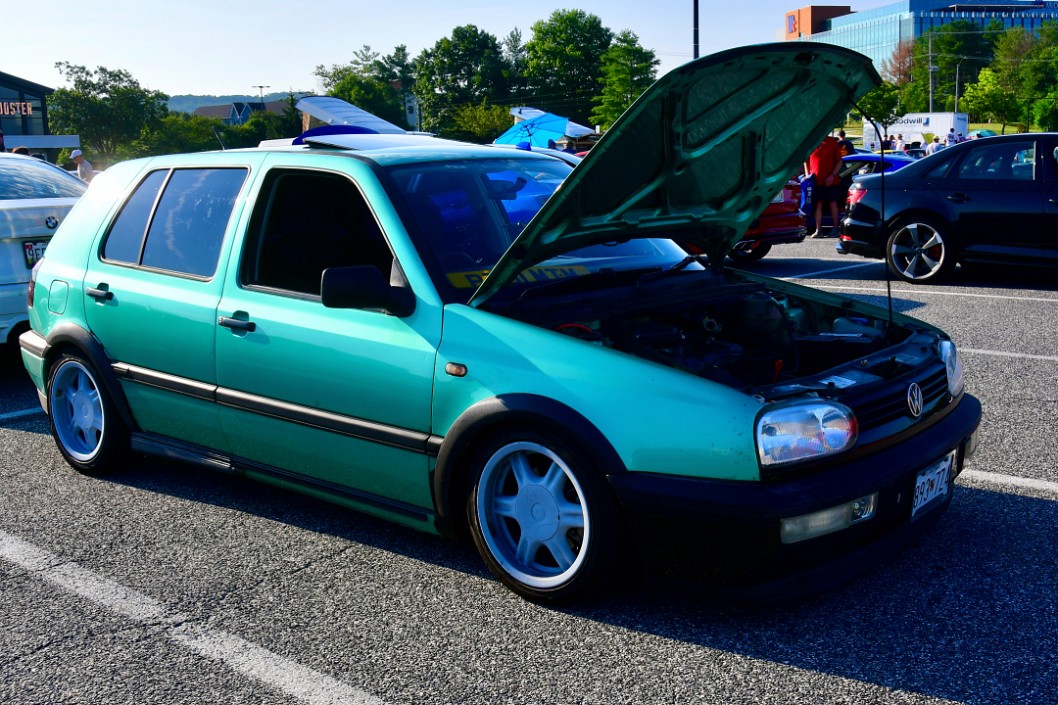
[508, 410]
[70, 335]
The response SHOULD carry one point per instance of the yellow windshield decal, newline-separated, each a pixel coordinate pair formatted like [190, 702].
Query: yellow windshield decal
[533, 275]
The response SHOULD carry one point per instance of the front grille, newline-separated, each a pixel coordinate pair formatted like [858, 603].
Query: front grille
[890, 402]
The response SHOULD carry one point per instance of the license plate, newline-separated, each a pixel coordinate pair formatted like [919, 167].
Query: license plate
[932, 483]
[34, 251]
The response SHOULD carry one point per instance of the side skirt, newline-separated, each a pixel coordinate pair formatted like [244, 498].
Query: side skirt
[172, 449]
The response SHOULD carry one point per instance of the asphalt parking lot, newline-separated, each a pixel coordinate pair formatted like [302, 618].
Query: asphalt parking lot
[167, 584]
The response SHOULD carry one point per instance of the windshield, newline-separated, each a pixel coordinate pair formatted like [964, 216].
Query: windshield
[465, 214]
[25, 178]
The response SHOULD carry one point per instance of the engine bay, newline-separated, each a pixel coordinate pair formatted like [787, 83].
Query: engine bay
[736, 332]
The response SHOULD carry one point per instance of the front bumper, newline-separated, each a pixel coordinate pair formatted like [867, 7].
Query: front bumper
[726, 533]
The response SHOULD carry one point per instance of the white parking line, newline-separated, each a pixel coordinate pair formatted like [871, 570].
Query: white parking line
[1010, 483]
[22, 413]
[830, 271]
[1000, 353]
[928, 292]
[245, 657]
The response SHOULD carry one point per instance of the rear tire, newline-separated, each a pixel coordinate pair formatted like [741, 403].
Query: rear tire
[749, 256]
[87, 428]
[920, 251]
[541, 516]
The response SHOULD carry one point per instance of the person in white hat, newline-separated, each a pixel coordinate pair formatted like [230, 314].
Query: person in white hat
[84, 167]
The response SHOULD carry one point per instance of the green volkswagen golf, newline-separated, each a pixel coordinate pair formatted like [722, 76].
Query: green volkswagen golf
[550, 361]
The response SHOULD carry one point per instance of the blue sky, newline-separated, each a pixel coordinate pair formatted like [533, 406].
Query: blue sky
[223, 47]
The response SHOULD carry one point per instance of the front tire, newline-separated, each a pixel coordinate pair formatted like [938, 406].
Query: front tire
[542, 517]
[87, 428]
[920, 251]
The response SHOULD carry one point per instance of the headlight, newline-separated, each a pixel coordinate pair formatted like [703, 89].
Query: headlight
[798, 432]
[953, 366]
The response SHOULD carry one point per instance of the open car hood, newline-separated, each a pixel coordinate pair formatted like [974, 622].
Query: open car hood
[699, 155]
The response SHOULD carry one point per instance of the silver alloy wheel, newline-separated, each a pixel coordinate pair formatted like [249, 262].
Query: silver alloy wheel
[917, 252]
[76, 409]
[533, 515]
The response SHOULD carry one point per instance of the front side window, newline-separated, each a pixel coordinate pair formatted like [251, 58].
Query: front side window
[305, 222]
[1005, 161]
[175, 221]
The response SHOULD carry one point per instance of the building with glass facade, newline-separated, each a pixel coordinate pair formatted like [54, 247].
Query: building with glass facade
[877, 32]
[24, 117]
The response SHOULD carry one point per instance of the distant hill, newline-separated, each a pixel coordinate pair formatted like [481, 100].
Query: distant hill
[190, 103]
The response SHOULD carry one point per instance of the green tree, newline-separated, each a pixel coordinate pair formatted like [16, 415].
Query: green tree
[107, 108]
[564, 62]
[514, 58]
[467, 67]
[176, 133]
[1013, 49]
[627, 70]
[955, 51]
[372, 95]
[991, 98]
[371, 82]
[882, 104]
[480, 122]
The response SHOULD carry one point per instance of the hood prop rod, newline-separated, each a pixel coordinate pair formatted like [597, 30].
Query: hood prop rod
[881, 178]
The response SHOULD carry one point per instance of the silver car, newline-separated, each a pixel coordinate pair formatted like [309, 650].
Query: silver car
[35, 197]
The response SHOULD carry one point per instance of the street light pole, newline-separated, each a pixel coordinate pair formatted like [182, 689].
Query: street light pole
[260, 90]
[696, 29]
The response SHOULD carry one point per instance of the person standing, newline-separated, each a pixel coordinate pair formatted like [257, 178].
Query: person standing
[845, 145]
[824, 165]
[900, 146]
[84, 167]
[933, 146]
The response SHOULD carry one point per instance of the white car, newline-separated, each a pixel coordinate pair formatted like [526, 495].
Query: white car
[35, 197]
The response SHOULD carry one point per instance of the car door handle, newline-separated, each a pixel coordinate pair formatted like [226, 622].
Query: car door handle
[958, 197]
[99, 294]
[236, 324]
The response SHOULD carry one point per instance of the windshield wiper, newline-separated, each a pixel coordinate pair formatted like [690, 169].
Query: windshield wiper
[687, 261]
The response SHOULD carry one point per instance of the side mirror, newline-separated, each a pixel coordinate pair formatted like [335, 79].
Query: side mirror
[364, 287]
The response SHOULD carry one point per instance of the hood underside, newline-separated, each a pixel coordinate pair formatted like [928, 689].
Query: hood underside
[699, 155]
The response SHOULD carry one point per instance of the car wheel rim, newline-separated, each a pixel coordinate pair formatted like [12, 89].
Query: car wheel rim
[77, 411]
[533, 515]
[918, 251]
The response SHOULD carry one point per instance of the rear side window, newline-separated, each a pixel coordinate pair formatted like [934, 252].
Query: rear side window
[175, 221]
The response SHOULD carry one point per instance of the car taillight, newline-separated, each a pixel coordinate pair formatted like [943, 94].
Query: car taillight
[856, 194]
[32, 284]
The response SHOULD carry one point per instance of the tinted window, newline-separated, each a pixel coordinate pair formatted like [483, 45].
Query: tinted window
[188, 226]
[1004, 161]
[32, 178]
[305, 222]
[125, 239]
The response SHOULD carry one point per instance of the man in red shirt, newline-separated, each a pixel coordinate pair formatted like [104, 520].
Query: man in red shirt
[825, 164]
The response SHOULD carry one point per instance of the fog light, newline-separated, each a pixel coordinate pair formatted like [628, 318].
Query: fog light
[827, 521]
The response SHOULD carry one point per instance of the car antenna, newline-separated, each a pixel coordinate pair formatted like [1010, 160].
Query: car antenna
[216, 133]
[881, 178]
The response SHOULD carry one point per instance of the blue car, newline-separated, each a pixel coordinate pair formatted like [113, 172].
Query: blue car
[855, 165]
